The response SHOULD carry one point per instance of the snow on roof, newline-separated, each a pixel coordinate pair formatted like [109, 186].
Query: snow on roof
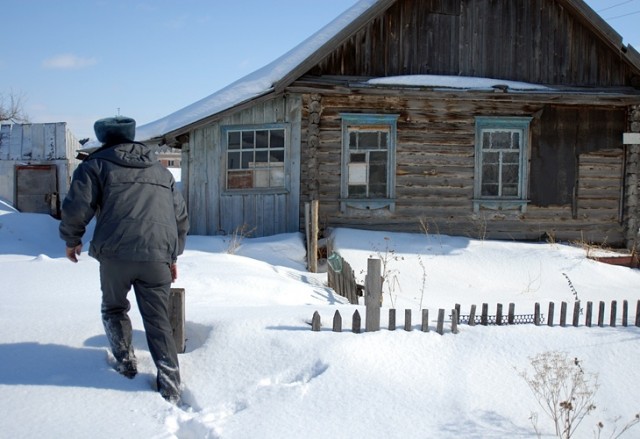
[461, 82]
[255, 84]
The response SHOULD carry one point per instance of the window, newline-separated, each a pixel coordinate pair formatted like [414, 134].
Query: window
[255, 157]
[368, 161]
[501, 172]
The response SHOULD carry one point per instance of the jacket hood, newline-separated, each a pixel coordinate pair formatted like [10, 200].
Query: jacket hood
[132, 155]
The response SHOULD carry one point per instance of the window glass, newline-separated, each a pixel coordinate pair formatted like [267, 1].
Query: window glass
[262, 139]
[247, 139]
[277, 139]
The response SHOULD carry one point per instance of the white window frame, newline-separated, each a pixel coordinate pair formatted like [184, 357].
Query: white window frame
[259, 171]
[359, 122]
[497, 124]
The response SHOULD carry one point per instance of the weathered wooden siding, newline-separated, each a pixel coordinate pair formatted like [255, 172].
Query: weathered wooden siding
[536, 41]
[212, 210]
[435, 171]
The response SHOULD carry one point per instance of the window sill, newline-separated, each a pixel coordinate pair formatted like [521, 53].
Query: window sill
[496, 204]
[255, 191]
[367, 204]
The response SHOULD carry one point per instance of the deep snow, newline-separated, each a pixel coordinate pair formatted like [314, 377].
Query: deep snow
[254, 369]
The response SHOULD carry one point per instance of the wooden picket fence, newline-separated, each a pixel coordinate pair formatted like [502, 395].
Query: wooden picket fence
[342, 280]
[455, 319]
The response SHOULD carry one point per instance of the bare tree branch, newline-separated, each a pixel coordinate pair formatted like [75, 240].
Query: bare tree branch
[11, 108]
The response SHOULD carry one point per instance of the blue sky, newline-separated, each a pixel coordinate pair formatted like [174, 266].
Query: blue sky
[76, 61]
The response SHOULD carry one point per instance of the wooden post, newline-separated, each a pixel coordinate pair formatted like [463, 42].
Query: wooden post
[373, 294]
[315, 322]
[589, 314]
[454, 321]
[356, 323]
[512, 313]
[457, 307]
[337, 322]
[614, 312]
[536, 314]
[625, 312]
[484, 318]
[307, 231]
[425, 320]
[407, 320]
[601, 314]
[551, 311]
[440, 324]
[176, 317]
[576, 313]
[563, 314]
[499, 314]
[392, 319]
[638, 314]
[313, 245]
[472, 316]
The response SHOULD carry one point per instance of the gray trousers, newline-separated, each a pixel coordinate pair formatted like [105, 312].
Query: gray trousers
[151, 283]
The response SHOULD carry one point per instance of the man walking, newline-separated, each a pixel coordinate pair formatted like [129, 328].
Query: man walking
[141, 227]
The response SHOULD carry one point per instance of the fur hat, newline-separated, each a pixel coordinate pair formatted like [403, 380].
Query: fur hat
[114, 130]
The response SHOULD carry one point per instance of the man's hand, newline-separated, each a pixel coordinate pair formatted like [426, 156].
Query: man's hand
[74, 252]
[174, 272]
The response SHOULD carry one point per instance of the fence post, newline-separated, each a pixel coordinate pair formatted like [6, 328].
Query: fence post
[601, 314]
[499, 314]
[176, 317]
[356, 322]
[614, 312]
[392, 319]
[551, 310]
[440, 324]
[563, 314]
[313, 248]
[638, 314]
[457, 307]
[315, 321]
[536, 314]
[454, 321]
[512, 313]
[337, 322]
[625, 312]
[472, 316]
[589, 314]
[576, 312]
[484, 319]
[407, 320]
[425, 320]
[373, 295]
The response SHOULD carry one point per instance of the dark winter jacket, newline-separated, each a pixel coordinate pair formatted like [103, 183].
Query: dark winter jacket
[140, 216]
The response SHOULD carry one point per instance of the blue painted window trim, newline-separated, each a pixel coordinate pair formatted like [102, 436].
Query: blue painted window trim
[520, 201]
[390, 121]
[224, 130]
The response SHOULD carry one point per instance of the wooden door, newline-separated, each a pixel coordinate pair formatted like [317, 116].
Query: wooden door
[37, 189]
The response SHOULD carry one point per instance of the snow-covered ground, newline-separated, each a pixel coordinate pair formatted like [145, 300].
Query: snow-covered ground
[254, 369]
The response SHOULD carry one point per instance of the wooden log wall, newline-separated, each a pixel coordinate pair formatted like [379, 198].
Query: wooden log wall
[435, 174]
[631, 211]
